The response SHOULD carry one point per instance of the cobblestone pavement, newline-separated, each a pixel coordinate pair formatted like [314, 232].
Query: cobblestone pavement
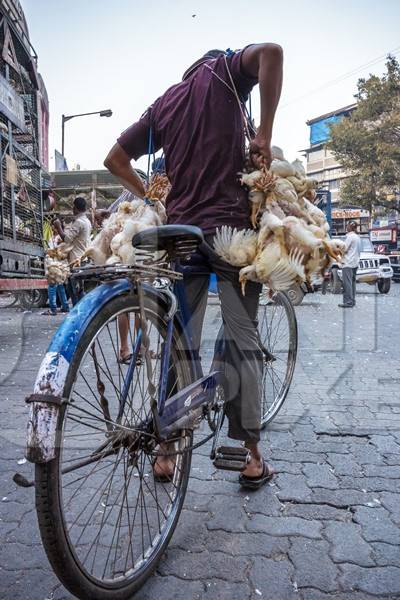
[327, 527]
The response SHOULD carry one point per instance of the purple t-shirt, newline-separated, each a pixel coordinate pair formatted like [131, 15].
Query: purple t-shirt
[199, 125]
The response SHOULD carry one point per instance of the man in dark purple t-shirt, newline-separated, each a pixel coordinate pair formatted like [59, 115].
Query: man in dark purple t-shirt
[200, 125]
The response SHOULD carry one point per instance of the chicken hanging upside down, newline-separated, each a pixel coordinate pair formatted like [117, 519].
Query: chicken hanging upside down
[56, 263]
[113, 244]
[290, 243]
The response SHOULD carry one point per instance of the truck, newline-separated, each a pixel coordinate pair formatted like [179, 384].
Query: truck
[24, 179]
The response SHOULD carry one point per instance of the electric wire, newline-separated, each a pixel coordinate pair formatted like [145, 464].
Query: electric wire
[342, 77]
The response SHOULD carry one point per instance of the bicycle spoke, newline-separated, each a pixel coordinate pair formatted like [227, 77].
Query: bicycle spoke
[277, 331]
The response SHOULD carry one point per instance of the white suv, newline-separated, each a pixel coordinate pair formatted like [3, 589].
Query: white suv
[373, 269]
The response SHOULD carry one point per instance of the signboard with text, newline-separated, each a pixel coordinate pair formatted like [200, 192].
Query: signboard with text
[388, 234]
[349, 213]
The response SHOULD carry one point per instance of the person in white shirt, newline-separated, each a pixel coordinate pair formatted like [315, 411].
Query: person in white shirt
[350, 265]
[78, 232]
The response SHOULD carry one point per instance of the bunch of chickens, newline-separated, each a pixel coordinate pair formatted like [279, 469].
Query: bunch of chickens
[113, 244]
[56, 263]
[290, 242]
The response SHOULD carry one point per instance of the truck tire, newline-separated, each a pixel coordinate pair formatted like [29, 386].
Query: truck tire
[336, 284]
[295, 295]
[384, 286]
[29, 299]
[8, 299]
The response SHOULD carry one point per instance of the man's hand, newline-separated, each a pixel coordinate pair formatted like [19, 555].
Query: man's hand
[57, 224]
[100, 215]
[260, 152]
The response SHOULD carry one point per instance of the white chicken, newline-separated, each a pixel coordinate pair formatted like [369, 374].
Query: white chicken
[271, 225]
[259, 186]
[237, 248]
[292, 240]
[273, 268]
[277, 153]
[315, 212]
[121, 244]
[113, 244]
[298, 167]
[281, 168]
[56, 271]
[300, 235]
[250, 179]
[56, 263]
[285, 190]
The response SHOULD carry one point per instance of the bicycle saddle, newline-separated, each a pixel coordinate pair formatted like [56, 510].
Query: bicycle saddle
[177, 240]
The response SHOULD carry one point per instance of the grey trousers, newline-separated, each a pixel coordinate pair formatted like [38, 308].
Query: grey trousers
[239, 356]
[349, 285]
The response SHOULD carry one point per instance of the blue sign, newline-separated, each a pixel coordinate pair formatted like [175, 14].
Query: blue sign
[320, 130]
[324, 202]
[61, 163]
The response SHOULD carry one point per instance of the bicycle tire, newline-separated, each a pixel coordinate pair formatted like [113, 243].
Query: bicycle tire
[271, 404]
[63, 556]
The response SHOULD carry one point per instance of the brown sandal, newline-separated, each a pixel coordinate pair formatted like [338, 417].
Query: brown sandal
[254, 483]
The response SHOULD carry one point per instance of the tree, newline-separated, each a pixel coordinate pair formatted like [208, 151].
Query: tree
[367, 142]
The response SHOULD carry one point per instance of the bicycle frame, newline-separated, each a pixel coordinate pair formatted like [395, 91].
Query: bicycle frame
[181, 409]
[175, 413]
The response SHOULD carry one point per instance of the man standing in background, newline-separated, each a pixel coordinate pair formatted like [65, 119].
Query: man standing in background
[78, 232]
[350, 266]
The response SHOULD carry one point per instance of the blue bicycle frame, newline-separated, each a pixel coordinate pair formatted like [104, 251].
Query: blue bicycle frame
[170, 414]
[174, 413]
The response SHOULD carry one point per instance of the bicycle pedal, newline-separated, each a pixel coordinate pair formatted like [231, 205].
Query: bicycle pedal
[231, 458]
[233, 450]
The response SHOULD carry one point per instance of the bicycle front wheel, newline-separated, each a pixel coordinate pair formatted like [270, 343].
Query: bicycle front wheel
[278, 336]
[104, 517]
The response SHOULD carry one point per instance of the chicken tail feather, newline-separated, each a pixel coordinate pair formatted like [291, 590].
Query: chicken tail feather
[296, 258]
[223, 240]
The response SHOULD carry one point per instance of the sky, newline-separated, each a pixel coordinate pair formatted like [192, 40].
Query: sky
[122, 55]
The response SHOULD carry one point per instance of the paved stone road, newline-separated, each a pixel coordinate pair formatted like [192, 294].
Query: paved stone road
[328, 527]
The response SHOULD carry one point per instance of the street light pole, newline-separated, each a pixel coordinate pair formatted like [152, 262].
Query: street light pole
[62, 134]
[103, 113]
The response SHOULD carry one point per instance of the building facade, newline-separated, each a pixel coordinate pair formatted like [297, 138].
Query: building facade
[24, 114]
[323, 166]
[321, 162]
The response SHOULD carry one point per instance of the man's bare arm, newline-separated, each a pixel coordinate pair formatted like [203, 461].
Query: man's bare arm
[265, 62]
[57, 225]
[119, 164]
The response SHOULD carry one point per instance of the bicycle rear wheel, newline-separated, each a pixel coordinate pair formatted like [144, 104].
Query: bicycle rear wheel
[103, 518]
[278, 335]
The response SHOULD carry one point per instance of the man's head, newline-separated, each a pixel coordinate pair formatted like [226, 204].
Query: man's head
[209, 55]
[352, 226]
[79, 205]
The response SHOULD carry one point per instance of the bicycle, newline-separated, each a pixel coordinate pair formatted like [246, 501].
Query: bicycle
[96, 427]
